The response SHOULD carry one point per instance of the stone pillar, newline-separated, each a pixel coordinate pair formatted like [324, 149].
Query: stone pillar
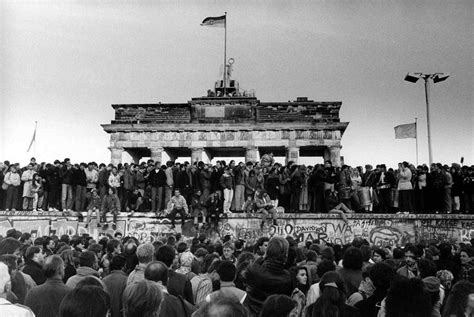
[173, 157]
[156, 154]
[293, 154]
[333, 154]
[135, 156]
[116, 155]
[251, 154]
[196, 154]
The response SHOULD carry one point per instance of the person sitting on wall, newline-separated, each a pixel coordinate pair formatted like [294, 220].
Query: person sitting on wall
[214, 209]
[335, 206]
[199, 207]
[249, 205]
[265, 206]
[110, 203]
[94, 205]
[135, 201]
[177, 204]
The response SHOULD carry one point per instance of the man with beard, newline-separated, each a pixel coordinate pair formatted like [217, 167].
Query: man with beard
[410, 269]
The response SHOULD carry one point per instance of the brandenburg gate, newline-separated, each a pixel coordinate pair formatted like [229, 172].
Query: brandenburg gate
[227, 123]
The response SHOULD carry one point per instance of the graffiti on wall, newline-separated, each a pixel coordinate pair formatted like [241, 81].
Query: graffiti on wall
[377, 229]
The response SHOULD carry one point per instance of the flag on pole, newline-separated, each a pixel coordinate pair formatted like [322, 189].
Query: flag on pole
[405, 131]
[33, 140]
[214, 21]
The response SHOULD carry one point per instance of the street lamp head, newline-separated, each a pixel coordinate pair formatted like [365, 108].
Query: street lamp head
[412, 77]
[440, 77]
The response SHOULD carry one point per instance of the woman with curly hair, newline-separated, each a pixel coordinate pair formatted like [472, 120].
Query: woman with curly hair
[332, 302]
[460, 301]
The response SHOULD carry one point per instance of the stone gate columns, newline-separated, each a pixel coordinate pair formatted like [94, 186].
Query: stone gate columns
[333, 154]
[251, 154]
[293, 154]
[156, 154]
[196, 154]
[116, 155]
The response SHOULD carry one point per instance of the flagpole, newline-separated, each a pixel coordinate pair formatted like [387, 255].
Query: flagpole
[416, 138]
[225, 51]
[34, 149]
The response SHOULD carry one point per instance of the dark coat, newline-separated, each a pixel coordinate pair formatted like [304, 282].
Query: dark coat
[115, 284]
[263, 280]
[44, 300]
[34, 270]
[175, 306]
[371, 305]
[179, 285]
[348, 311]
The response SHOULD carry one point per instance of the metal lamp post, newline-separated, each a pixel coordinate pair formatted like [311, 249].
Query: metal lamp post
[436, 77]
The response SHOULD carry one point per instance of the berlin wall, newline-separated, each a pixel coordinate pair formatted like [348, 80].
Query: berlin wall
[382, 230]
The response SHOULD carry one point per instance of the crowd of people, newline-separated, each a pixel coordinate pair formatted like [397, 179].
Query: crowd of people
[117, 276]
[254, 187]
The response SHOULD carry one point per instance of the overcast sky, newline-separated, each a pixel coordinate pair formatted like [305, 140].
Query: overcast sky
[63, 63]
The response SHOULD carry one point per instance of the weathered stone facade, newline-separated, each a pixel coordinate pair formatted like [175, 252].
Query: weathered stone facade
[227, 126]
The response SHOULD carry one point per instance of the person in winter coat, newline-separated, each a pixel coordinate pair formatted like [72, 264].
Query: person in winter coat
[28, 195]
[268, 277]
[12, 180]
[94, 205]
[110, 203]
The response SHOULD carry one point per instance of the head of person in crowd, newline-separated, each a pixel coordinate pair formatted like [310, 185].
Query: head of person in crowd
[379, 255]
[114, 247]
[446, 278]
[300, 278]
[157, 271]
[68, 257]
[91, 301]
[460, 301]
[426, 267]
[145, 253]
[10, 246]
[466, 255]
[278, 306]
[328, 254]
[88, 259]
[96, 248]
[228, 251]
[261, 245]
[118, 263]
[166, 254]
[78, 243]
[222, 307]
[325, 266]
[333, 296]
[411, 256]
[432, 285]
[277, 250]
[12, 262]
[34, 254]
[246, 257]
[185, 260]
[352, 259]
[408, 298]
[53, 267]
[227, 271]
[381, 275]
[142, 299]
[26, 239]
